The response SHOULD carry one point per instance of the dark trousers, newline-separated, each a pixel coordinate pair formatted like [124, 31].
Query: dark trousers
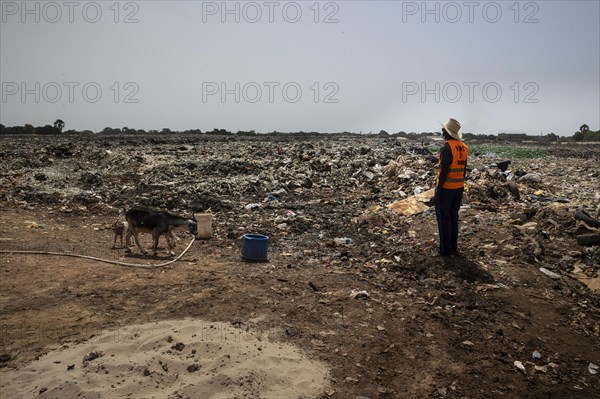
[446, 211]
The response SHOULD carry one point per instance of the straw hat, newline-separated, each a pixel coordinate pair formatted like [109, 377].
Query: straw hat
[453, 128]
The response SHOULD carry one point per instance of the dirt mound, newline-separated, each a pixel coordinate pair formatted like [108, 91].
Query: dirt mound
[178, 358]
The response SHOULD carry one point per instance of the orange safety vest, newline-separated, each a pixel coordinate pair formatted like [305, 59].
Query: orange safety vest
[456, 174]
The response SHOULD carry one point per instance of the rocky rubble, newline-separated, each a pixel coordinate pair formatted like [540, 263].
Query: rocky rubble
[310, 191]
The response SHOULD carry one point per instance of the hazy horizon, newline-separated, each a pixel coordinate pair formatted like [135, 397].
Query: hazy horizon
[531, 67]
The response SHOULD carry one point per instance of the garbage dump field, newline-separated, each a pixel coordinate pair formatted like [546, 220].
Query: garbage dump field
[353, 294]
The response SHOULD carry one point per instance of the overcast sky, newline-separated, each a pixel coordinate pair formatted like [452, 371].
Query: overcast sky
[354, 66]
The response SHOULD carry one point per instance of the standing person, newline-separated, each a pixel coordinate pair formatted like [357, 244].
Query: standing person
[449, 187]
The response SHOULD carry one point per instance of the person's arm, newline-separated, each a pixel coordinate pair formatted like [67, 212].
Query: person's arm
[443, 176]
[445, 161]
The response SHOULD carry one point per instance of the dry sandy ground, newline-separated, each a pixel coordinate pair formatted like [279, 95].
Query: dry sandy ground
[429, 330]
[187, 358]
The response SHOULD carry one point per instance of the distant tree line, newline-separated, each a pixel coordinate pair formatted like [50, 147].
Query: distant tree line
[584, 133]
[56, 128]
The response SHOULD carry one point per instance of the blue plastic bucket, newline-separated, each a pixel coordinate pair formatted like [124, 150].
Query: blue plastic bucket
[255, 247]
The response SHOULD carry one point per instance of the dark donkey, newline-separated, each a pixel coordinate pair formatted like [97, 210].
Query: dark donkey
[157, 223]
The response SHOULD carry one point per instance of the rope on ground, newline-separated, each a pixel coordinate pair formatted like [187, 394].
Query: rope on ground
[114, 262]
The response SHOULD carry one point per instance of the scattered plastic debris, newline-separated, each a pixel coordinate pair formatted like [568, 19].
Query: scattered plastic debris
[549, 273]
[35, 225]
[92, 356]
[413, 205]
[531, 178]
[359, 294]
[520, 366]
[342, 241]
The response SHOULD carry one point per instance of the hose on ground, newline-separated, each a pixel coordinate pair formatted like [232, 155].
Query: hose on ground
[113, 262]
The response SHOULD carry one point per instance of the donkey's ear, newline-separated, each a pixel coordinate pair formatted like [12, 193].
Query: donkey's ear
[193, 216]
